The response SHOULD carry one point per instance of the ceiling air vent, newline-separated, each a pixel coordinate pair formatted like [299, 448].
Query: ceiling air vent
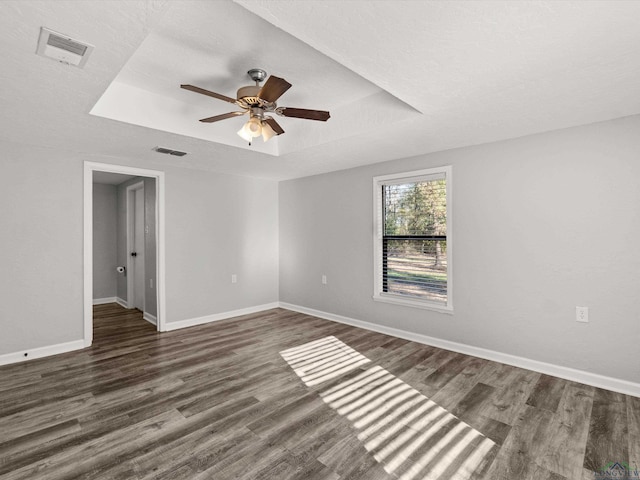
[62, 48]
[168, 151]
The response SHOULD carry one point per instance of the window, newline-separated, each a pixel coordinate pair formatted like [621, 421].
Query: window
[413, 238]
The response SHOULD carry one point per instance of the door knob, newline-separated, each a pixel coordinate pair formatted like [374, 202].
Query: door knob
[134, 254]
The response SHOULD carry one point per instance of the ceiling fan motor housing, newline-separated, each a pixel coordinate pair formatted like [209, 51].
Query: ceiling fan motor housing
[249, 94]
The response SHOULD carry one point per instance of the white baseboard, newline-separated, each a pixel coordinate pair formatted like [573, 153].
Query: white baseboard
[593, 379]
[191, 322]
[102, 301]
[150, 318]
[31, 353]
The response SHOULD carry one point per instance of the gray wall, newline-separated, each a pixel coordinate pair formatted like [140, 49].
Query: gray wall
[541, 224]
[220, 225]
[40, 248]
[105, 204]
[122, 241]
[216, 225]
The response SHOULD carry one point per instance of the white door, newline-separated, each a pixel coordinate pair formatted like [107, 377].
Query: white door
[136, 246]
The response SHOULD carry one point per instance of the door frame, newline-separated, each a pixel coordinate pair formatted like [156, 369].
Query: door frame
[89, 168]
[130, 193]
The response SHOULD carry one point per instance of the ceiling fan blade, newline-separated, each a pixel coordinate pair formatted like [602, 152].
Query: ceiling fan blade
[274, 125]
[209, 93]
[224, 116]
[273, 88]
[304, 113]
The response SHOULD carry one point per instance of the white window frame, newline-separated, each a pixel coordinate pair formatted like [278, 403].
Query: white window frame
[378, 211]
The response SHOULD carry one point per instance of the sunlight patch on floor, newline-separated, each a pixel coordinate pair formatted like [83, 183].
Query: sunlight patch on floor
[319, 361]
[411, 436]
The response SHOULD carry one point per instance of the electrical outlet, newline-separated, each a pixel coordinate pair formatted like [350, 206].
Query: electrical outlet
[234, 278]
[582, 314]
[324, 279]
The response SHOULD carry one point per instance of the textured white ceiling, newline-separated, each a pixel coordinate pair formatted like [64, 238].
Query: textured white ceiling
[146, 91]
[474, 72]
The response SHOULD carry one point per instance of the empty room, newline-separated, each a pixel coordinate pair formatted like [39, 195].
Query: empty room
[319, 239]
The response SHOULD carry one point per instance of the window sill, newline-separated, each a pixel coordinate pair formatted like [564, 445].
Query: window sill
[407, 302]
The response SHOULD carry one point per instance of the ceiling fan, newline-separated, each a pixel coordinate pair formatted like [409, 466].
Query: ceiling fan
[258, 102]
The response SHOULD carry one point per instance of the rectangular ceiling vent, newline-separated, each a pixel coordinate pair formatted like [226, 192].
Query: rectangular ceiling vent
[62, 48]
[168, 151]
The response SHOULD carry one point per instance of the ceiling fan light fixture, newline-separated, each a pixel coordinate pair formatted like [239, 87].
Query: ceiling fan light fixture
[253, 127]
[267, 132]
[245, 135]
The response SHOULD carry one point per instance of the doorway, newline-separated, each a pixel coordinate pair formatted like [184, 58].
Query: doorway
[135, 242]
[136, 230]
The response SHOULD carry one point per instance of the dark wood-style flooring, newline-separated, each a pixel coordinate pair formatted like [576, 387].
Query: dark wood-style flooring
[252, 398]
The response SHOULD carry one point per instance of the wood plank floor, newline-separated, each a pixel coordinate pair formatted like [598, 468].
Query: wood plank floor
[281, 395]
